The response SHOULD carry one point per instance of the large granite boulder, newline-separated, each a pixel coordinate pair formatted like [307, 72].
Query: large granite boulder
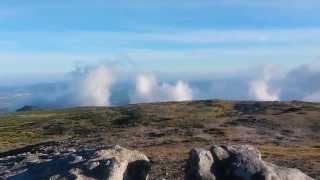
[238, 162]
[105, 162]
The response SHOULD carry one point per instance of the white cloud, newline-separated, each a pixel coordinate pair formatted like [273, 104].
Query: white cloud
[261, 88]
[145, 85]
[261, 91]
[276, 83]
[98, 85]
[94, 89]
[180, 92]
[148, 89]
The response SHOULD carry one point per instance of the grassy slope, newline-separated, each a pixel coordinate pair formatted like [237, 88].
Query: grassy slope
[23, 128]
[287, 133]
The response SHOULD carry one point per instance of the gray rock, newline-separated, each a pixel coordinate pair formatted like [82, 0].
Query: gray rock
[113, 163]
[199, 165]
[239, 162]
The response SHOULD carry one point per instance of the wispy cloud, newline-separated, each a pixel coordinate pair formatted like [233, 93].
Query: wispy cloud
[175, 4]
[201, 36]
[296, 46]
[238, 36]
[183, 60]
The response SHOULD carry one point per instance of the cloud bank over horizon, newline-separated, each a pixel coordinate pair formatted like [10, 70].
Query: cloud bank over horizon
[108, 85]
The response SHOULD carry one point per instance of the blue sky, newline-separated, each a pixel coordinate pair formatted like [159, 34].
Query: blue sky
[50, 37]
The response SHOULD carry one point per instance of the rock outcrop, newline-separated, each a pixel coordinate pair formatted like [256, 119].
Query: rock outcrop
[239, 162]
[104, 162]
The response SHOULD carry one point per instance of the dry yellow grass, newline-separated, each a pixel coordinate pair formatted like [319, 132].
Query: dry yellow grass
[290, 152]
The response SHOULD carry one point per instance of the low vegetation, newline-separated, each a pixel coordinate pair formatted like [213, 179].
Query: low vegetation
[287, 133]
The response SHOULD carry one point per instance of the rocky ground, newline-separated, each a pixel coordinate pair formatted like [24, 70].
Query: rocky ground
[69, 160]
[66, 160]
[286, 133]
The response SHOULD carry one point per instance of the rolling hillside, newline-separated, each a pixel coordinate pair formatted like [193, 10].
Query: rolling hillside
[287, 133]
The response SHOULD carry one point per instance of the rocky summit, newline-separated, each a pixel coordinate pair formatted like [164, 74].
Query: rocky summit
[285, 133]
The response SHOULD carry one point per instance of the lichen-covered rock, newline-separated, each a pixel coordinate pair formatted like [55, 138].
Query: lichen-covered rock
[107, 162]
[239, 162]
